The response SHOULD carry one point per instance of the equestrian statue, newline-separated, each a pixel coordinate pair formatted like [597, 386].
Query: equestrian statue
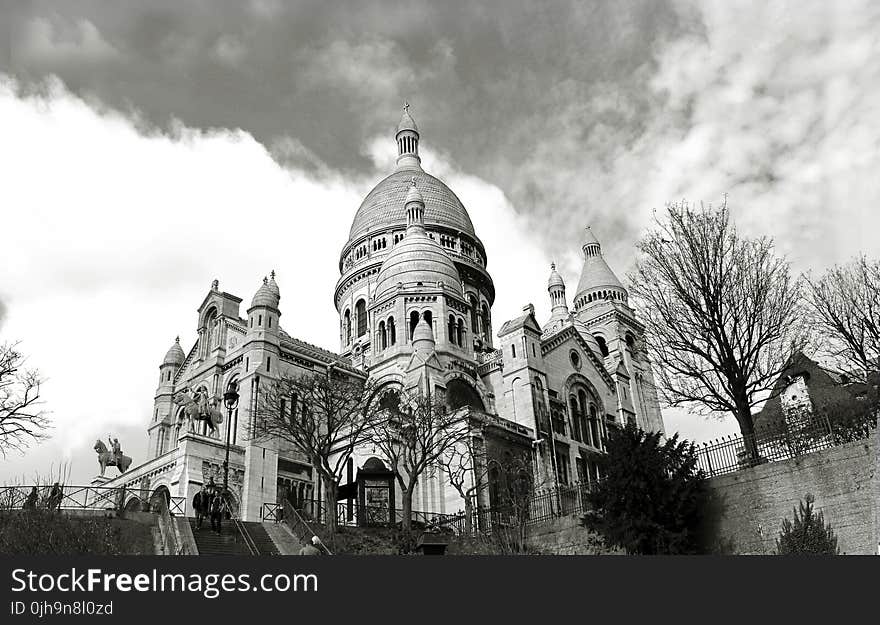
[112, 457]
[200, 407]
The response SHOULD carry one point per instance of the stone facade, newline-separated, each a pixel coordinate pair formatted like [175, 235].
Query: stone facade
[414, 299]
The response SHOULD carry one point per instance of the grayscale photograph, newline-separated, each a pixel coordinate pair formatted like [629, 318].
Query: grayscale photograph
[563, 278]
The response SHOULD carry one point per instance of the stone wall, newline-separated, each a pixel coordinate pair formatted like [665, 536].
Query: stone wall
[752, 503]
[565, 536]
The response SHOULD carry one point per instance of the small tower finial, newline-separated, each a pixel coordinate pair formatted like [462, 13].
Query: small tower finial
[265, 280]
[272, 274]
[177, 339]
[406, 106]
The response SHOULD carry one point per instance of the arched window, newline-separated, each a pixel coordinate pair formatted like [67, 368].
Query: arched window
[361, 312]
[413, 322]
[346, 327]
[575, 417]
[459, 332]
[475, 312]
[392, 332]
[582, 415]
[210, 336]
[630, 341]
[603, 346]
[487, 324]
[594, 426]
[383, 338]
[450, 330]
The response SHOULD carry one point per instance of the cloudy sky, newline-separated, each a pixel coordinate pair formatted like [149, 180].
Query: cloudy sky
[148, 148]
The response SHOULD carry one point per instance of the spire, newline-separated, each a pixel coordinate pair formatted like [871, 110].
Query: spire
[598, 283]
[415, 208]
[407, 141]
[591, 246]
[556, 288]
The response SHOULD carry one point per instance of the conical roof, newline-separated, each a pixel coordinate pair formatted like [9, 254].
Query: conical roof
[174, 355]
[555, 278]
[267, 295]
[595, 273]
[406, 120]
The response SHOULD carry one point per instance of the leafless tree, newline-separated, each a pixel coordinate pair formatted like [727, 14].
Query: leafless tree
[324, 415]
[466, 468]
[22, 418]
[721, 312]
[413, 432]
[844, 312]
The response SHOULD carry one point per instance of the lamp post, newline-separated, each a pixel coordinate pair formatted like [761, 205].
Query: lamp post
[230, 398]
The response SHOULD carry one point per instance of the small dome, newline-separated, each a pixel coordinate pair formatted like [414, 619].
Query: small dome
[175, 355]
[417, 259]
[374, 465]
[590, 238]
[406, 121]
[267, 295]
[555, 279]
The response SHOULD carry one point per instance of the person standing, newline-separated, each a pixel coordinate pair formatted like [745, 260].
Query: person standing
[55, 497]
[31, 502]
[200, 504]
[216, 512]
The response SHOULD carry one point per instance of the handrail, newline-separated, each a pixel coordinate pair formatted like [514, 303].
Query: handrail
[248, 541]
[296, 523]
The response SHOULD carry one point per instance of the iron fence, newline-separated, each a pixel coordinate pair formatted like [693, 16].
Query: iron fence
[70, 497]
[781, 441]
[539, 506]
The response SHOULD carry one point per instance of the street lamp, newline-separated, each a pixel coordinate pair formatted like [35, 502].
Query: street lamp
[230, 398]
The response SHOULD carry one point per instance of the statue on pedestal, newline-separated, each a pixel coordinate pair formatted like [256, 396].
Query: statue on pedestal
[112, 457]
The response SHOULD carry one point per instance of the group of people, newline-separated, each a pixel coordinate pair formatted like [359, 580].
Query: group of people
[53, 502]
[208, 502]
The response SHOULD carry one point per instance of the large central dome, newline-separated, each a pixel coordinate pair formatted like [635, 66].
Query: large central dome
[383, 206]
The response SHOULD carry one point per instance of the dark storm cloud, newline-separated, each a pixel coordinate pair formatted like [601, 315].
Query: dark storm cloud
[538, 98]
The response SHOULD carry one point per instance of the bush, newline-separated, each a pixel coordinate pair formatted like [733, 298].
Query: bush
[808, 534]
[651, 496]
[40, 532]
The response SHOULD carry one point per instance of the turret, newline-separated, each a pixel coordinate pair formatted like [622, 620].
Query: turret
[264, 313]
[407, 141]
[598, 283]
[558, 304]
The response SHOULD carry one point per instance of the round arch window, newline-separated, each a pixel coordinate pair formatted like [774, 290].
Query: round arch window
[575, 359]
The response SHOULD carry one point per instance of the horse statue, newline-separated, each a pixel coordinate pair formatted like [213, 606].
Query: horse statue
[109, 459]
[200, 407]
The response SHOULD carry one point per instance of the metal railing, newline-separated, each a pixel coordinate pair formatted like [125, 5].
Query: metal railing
[301, 529]
[540, 506]
[76, 498]
[781, 441]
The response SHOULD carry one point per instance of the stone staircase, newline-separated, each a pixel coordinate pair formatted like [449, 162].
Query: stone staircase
[261, 539]
[230, 542]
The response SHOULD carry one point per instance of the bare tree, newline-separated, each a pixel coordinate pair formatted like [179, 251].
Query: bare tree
[466, 468]
[22, 419]
[721, 312]
[323, 415]
[414, 431]
[844, 312]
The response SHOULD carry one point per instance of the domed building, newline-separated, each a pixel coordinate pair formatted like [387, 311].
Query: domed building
[414, 299]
